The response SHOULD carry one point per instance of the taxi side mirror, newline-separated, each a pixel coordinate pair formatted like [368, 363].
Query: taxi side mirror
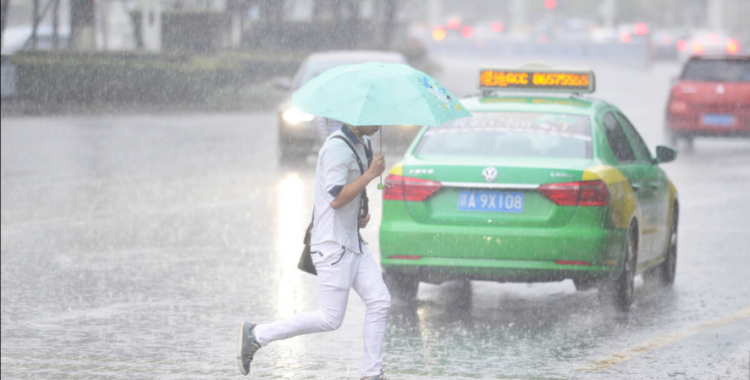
[665, 154]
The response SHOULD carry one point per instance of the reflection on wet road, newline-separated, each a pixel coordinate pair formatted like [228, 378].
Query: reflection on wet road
[132, 246]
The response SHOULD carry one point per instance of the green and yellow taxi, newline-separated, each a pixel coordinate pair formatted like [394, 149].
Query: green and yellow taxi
[534, 187]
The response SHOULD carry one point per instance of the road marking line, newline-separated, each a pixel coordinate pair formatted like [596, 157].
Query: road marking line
[651, 345]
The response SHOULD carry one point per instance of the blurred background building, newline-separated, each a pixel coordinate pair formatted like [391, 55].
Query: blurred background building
[191, 50]
[209, 25]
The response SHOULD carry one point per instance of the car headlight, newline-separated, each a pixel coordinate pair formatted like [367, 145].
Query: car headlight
[295, 116]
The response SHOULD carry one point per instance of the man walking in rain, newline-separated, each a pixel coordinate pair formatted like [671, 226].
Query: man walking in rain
[342, 260]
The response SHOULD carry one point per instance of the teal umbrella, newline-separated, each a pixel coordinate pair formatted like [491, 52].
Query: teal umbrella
[378, 94]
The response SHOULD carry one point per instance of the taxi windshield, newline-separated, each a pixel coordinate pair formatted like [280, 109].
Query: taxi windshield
[511, 134]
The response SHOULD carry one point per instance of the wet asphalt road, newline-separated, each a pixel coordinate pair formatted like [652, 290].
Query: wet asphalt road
[132, 246]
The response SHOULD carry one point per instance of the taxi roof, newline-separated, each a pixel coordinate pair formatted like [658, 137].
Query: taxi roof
[553, 104]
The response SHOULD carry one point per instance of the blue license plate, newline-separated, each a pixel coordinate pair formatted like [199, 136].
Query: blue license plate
[493, 201]
[718, 120]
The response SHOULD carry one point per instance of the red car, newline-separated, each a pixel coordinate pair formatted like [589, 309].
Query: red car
[711, 98]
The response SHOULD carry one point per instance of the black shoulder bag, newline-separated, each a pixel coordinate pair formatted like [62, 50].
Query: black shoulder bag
[305, 263]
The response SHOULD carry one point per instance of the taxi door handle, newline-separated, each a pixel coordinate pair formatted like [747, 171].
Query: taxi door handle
[636, 186]
[654, 185]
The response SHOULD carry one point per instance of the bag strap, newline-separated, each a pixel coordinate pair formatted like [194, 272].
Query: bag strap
[356, 155]
[368, 153]
[365, 203]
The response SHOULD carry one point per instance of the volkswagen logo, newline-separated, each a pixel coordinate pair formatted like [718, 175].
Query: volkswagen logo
[489, 174]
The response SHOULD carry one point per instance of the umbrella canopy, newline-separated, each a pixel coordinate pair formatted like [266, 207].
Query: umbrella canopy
[378, 94]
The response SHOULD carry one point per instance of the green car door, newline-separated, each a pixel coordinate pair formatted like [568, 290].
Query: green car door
[657, 186]
[640, 174]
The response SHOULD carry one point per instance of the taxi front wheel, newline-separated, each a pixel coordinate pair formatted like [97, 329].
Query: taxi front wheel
[621, 289]
[668, 268]
[664, 274]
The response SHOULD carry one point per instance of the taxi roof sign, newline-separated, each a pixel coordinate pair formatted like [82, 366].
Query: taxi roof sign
[537, 79]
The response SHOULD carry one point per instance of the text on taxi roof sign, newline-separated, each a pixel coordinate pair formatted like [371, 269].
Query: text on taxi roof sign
[537, 80]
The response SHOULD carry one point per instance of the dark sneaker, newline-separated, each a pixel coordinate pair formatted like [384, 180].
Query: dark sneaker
[382, 376]
[247, 346]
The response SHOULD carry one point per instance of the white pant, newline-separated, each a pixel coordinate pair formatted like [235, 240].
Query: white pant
[337, 273]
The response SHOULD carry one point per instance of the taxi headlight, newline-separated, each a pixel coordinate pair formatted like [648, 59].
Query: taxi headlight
[295, 116]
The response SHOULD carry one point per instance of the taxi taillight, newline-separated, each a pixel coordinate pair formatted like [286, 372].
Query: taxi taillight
[584, 193]
[400, 188]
